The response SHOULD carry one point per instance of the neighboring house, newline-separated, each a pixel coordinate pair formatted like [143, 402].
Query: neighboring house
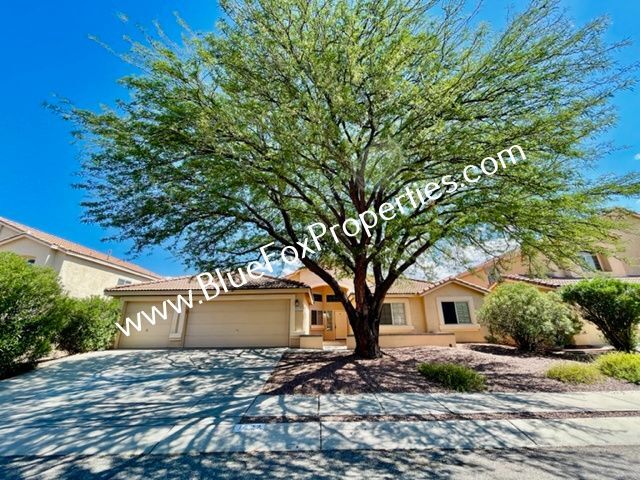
[82, 271]
[623, 265]
[300, 311]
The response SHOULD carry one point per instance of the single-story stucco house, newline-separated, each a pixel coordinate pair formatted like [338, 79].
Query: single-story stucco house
[82, 271]
[300, 310]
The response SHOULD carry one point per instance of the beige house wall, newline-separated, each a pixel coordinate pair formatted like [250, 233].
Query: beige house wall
[628, 261]
[82, 278]
[6, 232]
[79, 277]
[410, 340]
[454, 292]
[43, 254]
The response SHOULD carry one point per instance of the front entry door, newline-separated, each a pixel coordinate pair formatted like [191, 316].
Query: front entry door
[329, 326]
[341, 325]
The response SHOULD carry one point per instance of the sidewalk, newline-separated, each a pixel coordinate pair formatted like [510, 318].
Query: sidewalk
[378, 404]
[307, 423]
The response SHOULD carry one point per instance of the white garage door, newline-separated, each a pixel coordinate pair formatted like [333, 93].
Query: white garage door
[263, 323]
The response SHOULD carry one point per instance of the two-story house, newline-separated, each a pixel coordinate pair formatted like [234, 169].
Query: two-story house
[82, 271]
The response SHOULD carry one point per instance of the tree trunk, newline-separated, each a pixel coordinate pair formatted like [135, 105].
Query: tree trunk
[366, 332]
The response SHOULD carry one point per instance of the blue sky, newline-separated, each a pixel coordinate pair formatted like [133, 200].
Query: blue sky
[46, 51]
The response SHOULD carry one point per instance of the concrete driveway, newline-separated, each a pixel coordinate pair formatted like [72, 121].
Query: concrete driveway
[130, 402]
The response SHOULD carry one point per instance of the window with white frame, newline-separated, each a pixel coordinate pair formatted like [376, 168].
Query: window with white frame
[123, 281]
[456, 313]
[393, 314]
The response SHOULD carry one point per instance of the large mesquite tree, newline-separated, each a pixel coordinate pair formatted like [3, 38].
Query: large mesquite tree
[301, 111]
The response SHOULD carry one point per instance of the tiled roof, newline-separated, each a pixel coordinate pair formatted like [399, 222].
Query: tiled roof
[189, 282]
[560, 282]
[411, 286]
[459, 281]
[72, 247]
[405, 285]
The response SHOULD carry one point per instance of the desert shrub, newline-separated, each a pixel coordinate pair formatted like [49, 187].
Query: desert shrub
[533, 320]
[453, 376]
[90, 324]
[611, 305]
[31, 312]
[574, 373]
[624, 366]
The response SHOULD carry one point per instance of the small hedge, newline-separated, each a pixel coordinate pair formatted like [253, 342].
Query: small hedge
[611, 305]
[574, 373]
[623, 366]
[90, 324]
[533, 320]
[453, 376]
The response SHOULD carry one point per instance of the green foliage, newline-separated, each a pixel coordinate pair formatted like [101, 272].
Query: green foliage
[90, 324]
[611, 305]
[624, 366]
[453, 376]
[292, 113]
[530, 318]
[265, 126]
[574, 373]
[31, 312]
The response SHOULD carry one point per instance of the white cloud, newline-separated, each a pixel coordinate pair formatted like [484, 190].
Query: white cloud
[637, 156]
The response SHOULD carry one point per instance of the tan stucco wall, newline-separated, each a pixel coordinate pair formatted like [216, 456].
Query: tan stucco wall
[6, 232]
[511, 264]
[410, 340]
[82, 278]
[463, 333]
[79, 277]
[44, 255]
[311, 341]
[628, 262]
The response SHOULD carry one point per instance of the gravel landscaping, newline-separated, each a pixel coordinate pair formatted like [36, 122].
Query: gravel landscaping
[306, 372]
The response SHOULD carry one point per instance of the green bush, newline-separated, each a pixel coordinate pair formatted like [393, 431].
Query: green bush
[611, 305]
[574, 373]
[453, 376]
[533, 320]
[90, 324]
[624, 366]
[31, 312]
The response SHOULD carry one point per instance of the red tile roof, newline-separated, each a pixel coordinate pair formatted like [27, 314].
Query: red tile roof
[405, 285]
[458, 281]
[560, 282]
[189, 282]
[72, 247]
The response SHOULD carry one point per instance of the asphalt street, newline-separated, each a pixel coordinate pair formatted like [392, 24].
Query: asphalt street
[572, 463]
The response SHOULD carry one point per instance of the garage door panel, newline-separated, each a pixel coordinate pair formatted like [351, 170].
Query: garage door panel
[150, 336]
[259, 323]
